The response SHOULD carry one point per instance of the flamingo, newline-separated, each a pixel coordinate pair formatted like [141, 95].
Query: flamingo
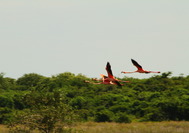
[110, 75]
[107, 79]
[103, 80]
[140, 69]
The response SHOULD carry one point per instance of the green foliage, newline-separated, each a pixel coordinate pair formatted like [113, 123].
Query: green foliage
[78, 102]
[48, 113]
[103, 116]
[122, 117]
[48, 101]
[5, 115]
[6, 101]
[6, 83]
[29, 80]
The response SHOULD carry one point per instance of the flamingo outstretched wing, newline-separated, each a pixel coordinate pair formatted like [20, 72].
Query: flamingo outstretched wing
[109, 70]
[136, 64]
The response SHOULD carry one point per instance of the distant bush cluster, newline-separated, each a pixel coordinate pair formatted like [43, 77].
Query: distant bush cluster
[54, 103]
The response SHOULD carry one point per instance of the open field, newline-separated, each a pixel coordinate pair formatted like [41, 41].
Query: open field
[135, 127]
[3, 129]
[142, 127]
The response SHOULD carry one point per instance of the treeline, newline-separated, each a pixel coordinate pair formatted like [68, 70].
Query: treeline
[65, 97]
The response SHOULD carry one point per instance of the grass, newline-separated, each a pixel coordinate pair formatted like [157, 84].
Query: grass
[140, 127]
[135, 127]
[3, 129]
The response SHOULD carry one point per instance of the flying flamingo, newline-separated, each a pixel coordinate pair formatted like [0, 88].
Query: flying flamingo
[139, 68]
[110, 75]
[107, 79]
[104, 80]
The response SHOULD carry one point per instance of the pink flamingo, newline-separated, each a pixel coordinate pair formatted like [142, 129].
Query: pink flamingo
[110, 79]
[139, 68]
[104, 80]
[110, 75]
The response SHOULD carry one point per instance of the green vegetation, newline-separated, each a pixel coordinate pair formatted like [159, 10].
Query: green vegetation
[54, 104]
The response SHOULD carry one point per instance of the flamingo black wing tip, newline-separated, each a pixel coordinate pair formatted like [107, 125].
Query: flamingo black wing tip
[133, 60]
[108, 64]
[136, 64]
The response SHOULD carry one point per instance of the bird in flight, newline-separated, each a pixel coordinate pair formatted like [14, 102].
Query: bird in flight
[104, 80]
[111, 78]
[140, 69]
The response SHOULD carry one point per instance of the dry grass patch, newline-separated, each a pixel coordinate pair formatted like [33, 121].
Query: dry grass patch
[142, 127]
[135, 127]
[3, 129]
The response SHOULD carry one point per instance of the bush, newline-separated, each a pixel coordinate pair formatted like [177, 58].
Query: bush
[103, 116]
[5, 115]
[122, 118]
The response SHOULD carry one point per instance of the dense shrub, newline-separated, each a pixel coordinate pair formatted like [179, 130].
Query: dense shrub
[158, 98]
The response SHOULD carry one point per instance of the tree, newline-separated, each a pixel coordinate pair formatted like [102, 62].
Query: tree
[6, 83]
[104, 116]
[30, 80]
[48, 113]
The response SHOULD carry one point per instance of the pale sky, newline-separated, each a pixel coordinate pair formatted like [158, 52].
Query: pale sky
[50, 37]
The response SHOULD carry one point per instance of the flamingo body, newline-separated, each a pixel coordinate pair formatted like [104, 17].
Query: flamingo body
[104, 80]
